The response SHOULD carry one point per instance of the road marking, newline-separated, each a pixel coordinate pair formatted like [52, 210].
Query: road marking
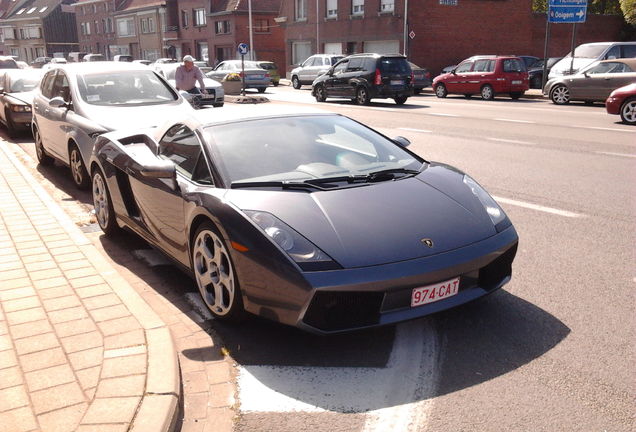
[443, 115]
[537, 207]
[416, 130]
[515, 121]
[384, 109]
[510, 141]
[397, 394]
[608, 129]
[616, 154]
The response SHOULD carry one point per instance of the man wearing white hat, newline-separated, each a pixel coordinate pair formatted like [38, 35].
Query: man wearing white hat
[187, 75]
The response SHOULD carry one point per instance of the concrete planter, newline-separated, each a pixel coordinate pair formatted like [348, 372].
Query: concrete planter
[232, 87]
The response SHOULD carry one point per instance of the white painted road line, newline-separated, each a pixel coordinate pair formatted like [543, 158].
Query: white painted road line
[609, 129]
[416, 130]
[384, 109]
[515, 121]
[616, 154]
[443, 115]
[510, 141]
[537, 207]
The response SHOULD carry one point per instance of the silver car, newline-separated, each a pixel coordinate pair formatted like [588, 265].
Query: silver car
[16, 95]
[312, 68]
[215, 94]
[76, 102]
[255, 76]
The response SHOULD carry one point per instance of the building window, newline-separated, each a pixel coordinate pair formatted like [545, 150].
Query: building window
[387, 5]
[88, 28]
[150, 54]
[198, 16]
[222, 27]
[96, 23]
[147, 25]
[104, 26]
[301, 10]
[94, 8]
[15, 52]
[357, 7]
[261, 26]
[184, 19]
[39, 51]
[300, 52]
[111, 27]
[8, 33]
[126, 27]
[332, 8]
[202, 51]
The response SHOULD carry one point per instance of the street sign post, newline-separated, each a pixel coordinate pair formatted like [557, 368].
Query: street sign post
[243, 49]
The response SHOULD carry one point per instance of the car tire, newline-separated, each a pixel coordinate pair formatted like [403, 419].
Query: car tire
[560, 94]
[43, 158]
[628, 111]
[516, 95]
[320, 93]
[102, 204]
[12, 131]
[487, 93]
[217, 105]
[276, 83]
[468, 95]
[215, 274]
[262, 89]
[400, 100]
[296, 82]
[362, 96]
[440, 91]
[78, 170]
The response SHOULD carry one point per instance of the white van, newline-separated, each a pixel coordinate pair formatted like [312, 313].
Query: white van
[588, 53]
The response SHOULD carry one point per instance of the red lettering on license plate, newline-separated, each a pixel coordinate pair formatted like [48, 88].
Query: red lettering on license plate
[432, 293]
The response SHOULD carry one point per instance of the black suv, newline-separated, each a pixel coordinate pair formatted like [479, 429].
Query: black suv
[362, 77]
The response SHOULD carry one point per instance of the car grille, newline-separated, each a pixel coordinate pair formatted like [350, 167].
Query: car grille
[333, 311]
[491, 275]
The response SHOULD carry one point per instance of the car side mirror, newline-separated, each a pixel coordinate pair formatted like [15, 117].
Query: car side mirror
[454, 71]
[58, 102]
[401, 141]
[161, 169]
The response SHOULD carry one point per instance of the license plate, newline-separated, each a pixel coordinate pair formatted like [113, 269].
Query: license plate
[516, 81]
[255, 77]
[207, 96]
[432, 293]
[397, 82]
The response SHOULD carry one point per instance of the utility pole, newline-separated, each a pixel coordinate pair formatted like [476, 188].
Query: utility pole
[249, 12]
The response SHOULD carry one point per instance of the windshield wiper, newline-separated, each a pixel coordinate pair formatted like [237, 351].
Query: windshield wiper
[280, 184]
[388, 173]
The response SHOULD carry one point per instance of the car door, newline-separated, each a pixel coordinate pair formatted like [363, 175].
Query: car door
[307, 70]
[514, 73]
[458, 81]
[480, 74]
[618, 75]
[59, 117]
[41, 109]
[595, 82]
[4, 83]
[161, 205]
[336, 82]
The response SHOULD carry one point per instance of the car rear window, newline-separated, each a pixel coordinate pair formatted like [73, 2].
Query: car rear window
[8, 64]
[394, 65]
[335, 60]
[514, 65]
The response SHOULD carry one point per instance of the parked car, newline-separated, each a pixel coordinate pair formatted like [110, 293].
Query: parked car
[421, 78]
[450, 68]
[123, 58]
[535, 73]
[529, 60]
[588, 53]
[76, 102]
[93, 57]
[282, 212]
[255, 76]
[215, 94]
[16, 96]
[23, 65]
[593, 83]
[40, 61]
[622, 101]
[143, 62]
[362, 77]
[487, 76]
[272, 69]
[7, 62]
[312, 68]
[164, 60]
[76, 56]
[203, 66]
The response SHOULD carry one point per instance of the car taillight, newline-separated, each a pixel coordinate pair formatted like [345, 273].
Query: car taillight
[378, 77]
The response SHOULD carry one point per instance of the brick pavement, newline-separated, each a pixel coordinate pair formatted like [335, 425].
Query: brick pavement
[79, 348]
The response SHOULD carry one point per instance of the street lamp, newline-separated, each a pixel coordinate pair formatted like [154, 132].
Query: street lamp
[249, 12]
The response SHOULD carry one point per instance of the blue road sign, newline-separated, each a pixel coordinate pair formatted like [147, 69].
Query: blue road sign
[578, 3]
[567, 14]
[243, 48]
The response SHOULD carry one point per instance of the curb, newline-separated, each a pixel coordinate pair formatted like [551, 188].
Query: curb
[247, 99]
[157, 411]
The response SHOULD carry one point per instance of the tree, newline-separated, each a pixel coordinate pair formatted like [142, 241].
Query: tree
[629, 10]
[604, 7]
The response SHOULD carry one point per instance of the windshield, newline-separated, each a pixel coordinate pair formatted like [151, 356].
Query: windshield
[588, 51]
[25, 82]
[124, 88]
[303, 148]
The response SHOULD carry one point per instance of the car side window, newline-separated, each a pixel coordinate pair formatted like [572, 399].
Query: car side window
[181, 146]
[61, 87]
[355, 64]
[309, 62]
[340, 67]
[464, 67]
[513, 65]
[46, 86]
[629, 51]
[481, 66]
[613, 53]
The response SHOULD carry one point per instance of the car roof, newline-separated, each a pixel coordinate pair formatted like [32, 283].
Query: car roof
[78, 68]
[376, 55]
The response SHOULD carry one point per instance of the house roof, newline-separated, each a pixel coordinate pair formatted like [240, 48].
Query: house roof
[242, 6]
[128, 5]
[25, 9]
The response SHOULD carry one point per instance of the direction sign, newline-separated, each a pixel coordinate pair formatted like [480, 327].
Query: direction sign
[243, 48]
[567, 14]
[578, 3]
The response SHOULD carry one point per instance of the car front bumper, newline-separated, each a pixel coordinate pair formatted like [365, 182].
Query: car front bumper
[613, 105]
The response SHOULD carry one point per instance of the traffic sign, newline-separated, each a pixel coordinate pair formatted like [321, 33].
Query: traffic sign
[567, 11]
[570, 3]
[243, 48]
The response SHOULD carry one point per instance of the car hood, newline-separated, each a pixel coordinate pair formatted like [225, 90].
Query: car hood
[379, 223]
[20, 98]
[209, 83]
[562, 67]
[628, 89]
[135, 117]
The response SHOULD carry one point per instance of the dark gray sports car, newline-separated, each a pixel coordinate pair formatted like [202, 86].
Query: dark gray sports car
[307, 218]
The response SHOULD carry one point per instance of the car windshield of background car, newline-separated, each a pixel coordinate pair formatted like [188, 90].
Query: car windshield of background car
[611, 67]
[25, 83]
[302, 148]
[588, 51]
[124, 88]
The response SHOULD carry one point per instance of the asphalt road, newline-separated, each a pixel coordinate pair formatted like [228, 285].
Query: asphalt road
[552, 351]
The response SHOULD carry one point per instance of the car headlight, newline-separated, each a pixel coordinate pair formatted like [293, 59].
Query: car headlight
[302, 251]
[492, 208]
[21, 108]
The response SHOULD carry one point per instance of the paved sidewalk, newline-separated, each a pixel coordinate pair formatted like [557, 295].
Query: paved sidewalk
[79, 348]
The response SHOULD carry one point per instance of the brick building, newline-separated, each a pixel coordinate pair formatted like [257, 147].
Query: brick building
[139, 28]
[95, 26]
[37, 28]
[437, 32]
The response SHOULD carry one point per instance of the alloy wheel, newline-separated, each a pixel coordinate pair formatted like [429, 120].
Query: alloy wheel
[560, 95]
[628, 112]
[100, 201]
[77, 166]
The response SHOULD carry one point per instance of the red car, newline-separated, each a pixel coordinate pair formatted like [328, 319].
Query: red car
[485, 75]
[623, 101]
